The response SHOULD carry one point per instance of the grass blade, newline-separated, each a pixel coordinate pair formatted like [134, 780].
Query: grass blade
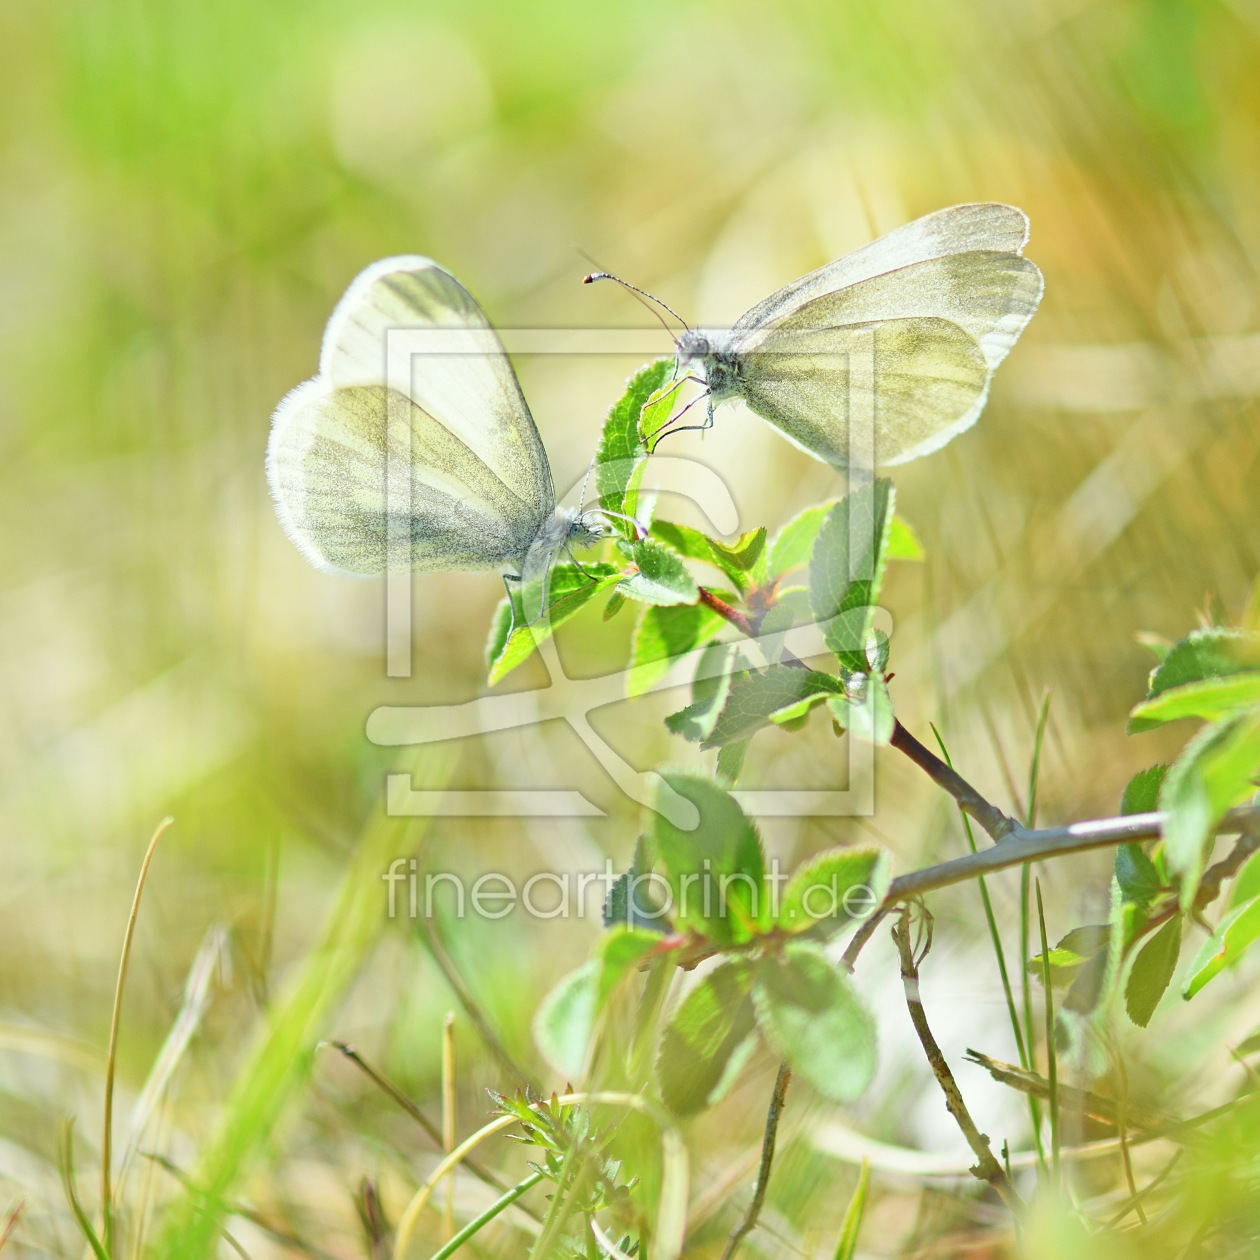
[66, 1160]
[852, 1223]
[1052, 1065]
[476, 1226]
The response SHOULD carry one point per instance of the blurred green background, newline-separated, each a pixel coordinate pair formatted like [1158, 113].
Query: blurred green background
[185, 191]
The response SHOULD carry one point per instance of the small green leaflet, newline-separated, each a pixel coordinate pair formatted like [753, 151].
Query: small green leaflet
[716, 872]
[569, 592]
[811, 1016]
[657, 411]
[664, 632]
[754, 697]
[707, 1039]
[662, 577]
[620, 458]
[739, 560]
[846, 568]
[792, 545]
[834, 888]
[865, 709]
[1152, 972]
[1236, 933]
[1215, 772]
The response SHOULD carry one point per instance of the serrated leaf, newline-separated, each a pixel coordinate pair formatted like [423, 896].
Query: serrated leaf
[835, 887]
[865, 709]
[791, 546]
[1214, 773]
[1152, 972]
[1136, 874]
[710, 1027]
[617, 952]
[663, 633]
[903, 542]
[1141, 793]
[1212, 653]
[620, 458]
[810, 1015]
[755, 696]
[720, 664]
[564, 1021]
[662, 578]
[1209, 699]
[630, 903]
[730, 761]
[569, 592]
[846, 568]
[1236, 933]
[736, 560]
[658, 409]
[716, 873]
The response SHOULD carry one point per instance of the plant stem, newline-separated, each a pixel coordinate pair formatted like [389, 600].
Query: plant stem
[107, 1136]
[386, 1086]
[781, 1082]
[987, 1167]
[1032, 846]
[475, 1226]
[996, 823]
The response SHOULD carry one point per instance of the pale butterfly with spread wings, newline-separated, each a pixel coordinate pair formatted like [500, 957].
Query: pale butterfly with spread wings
[481, 494]
[934, 306]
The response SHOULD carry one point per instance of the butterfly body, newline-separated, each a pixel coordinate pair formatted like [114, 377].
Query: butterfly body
[901, 337]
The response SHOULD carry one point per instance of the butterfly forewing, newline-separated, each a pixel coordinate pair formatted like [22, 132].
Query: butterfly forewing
[480, 484]
[449, 360]
[988, 226]
[929, 379]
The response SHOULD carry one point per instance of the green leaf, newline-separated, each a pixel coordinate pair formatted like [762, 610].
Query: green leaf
[707, 1039]
[614, 605]
[1080, 946]
[865, 709]
[834, 888]
[564, 1022]
[1136, 874]
[716, 873]
[736, 560]
[658, 410]
[903, 542]
[811, 1017]
[620, 458]
[1246, 885]
[663, 633]
[730, 761]
[569, 591]
[847, 568]
[618, 951]
[720, 664]
[1209, 698]
[1213, 653]
[791, 546]
[662, 577]
[1141, 793]
[1152, 972]
[1236, 932]
[754, 697]
[1213, 774]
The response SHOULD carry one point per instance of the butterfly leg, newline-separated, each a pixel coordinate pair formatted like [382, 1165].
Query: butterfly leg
[511, 577]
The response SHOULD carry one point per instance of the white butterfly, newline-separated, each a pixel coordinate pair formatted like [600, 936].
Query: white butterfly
[934, 306]
[481, 494]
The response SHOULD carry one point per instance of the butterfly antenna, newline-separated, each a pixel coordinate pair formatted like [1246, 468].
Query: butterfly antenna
[642, 293]
[586, 481]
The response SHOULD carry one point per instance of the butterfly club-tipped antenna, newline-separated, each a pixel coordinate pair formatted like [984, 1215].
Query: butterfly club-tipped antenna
[642, 294]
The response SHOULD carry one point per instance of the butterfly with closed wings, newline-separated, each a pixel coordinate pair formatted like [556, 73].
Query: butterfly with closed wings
[934, 305]
[480, 494]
